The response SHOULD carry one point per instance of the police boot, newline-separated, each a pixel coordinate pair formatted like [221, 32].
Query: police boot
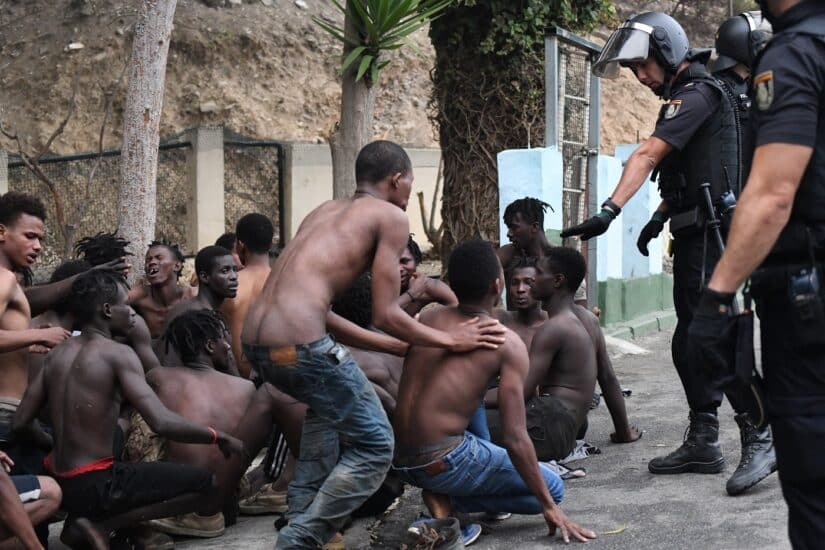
[758, 456]
[700, 452]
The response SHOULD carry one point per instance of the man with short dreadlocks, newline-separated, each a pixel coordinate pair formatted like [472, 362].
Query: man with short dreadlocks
[524, 219]
[202, 392]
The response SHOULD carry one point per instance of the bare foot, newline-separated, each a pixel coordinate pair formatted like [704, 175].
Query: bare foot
[81, 533]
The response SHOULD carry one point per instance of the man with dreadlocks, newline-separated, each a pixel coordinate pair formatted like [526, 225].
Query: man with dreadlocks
[161, 292]
[524, 219]
[86, 381]
[418, 290]
[103, 249]
[202, 392]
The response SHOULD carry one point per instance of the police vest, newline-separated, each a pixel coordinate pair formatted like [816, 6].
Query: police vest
[808, 213]
[737, 90]
[711, 155]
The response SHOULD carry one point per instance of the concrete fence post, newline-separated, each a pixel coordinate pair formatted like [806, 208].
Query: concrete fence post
[4, 171]
[206, 218]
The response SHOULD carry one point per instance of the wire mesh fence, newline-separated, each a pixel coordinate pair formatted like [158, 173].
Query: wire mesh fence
[253, 182]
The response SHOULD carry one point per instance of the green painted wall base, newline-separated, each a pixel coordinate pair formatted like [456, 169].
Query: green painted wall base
[641, 306]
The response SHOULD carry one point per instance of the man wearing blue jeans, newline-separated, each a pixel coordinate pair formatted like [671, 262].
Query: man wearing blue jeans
[285, 338]
[439, 394]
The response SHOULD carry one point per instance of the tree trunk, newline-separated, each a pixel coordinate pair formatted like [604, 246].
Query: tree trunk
[137, 197]
[355, 128]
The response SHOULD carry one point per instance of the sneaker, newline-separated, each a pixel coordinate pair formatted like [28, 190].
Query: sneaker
[191, 525]
[470, 533]
[499, 516]
[265, 501]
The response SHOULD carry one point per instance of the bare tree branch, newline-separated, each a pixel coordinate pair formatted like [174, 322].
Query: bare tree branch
[61, 127]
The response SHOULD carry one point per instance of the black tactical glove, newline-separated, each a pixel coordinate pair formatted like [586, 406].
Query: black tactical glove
[650, 231]
[712, 336]
[596, 225]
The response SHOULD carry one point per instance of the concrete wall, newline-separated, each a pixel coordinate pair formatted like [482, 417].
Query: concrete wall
[308, 183]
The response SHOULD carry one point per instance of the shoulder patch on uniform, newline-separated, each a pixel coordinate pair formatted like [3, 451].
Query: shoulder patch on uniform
[763, 85]
[673, 107]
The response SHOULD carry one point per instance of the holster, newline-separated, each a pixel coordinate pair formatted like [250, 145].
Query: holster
[690, 222]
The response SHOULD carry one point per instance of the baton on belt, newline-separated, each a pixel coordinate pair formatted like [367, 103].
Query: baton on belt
[715, 226]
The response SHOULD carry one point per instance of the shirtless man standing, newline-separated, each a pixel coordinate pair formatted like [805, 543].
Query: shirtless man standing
[438, 395]
[286, 341]
[562, 355]
[254, 234]
[154, 300]
[21, 231]
[86, 381]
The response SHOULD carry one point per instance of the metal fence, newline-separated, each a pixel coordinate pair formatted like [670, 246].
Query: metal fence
[253, 182]
[572, 111]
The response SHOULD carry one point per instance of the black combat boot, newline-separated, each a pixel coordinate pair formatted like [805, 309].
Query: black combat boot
[700, 452]
[758, 456]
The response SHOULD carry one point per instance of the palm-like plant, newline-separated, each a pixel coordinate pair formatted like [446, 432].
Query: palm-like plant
[379, 26]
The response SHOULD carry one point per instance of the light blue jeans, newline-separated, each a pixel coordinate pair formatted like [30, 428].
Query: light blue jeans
[481, 478]
[347, 440]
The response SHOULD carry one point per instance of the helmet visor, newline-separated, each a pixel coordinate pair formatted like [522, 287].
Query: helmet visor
[630, 43]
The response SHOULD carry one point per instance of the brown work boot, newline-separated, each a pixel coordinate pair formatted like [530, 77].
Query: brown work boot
[265, 501]
[191, 525]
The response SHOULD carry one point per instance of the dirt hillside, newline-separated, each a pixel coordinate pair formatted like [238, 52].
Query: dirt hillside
[259, 67]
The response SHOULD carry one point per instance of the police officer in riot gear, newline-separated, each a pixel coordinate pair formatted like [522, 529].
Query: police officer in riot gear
[695, 141]
[738, 41]
[778, 239]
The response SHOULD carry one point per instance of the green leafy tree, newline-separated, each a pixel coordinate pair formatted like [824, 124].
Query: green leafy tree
[488, 96]
[372, 29]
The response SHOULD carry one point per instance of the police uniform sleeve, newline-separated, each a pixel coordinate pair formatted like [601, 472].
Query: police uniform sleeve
[789, 82]
[685, 113]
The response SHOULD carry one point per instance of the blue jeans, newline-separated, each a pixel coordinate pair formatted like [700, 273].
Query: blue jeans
[481, 478]
[478, 423]
[347, 440]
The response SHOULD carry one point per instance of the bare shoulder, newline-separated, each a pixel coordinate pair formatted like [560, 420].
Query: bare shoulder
[513, 345]
[587, 317]
[502, 315]
[8, 283]
[505, 253]
[120, 355]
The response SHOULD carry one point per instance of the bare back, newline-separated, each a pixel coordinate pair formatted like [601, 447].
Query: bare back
[17, 316]
[439, 391]
[84, 398]
[334, 245]
[251, 282]
[563, 362]
[204, 397]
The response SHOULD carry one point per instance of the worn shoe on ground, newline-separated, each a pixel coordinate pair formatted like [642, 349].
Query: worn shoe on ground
[265, 501]
[758, 456]
[336, 543]
[191, 525]
[699, 453]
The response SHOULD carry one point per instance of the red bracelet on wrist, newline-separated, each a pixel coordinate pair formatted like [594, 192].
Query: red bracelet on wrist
[214, 435]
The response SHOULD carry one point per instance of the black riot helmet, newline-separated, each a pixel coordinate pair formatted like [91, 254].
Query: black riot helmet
[740, 39]
[651, 33]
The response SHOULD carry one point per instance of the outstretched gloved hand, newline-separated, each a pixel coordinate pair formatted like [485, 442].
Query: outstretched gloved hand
[650, 231]
[596, 225]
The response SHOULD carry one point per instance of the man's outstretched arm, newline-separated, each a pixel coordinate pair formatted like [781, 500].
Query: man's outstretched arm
[388, 316]
[515, 364]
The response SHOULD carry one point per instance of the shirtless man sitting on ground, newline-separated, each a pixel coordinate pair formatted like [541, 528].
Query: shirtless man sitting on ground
[562, 356]
[161, 291]
[285, 338]
[202, 392]
[527, 318]
[438, 395]
[418, 290]
[85, 381]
